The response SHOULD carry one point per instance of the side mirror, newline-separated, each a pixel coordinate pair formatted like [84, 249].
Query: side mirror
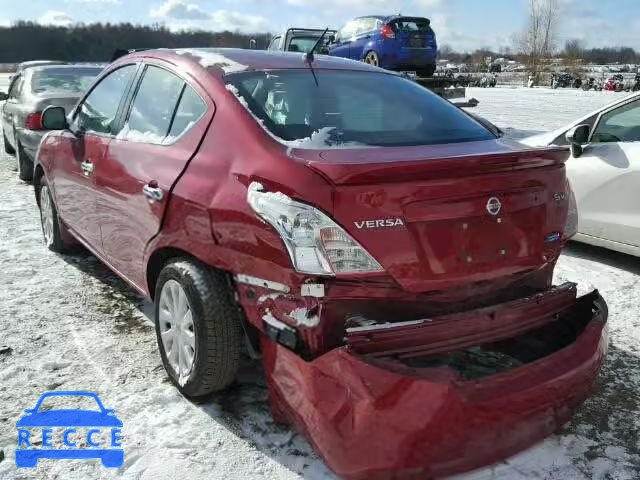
[54, 118]
[577, 137]
[3, 96]
[332, 39]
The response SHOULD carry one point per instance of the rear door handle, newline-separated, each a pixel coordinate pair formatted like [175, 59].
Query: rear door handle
[87, 167]
[154, 193]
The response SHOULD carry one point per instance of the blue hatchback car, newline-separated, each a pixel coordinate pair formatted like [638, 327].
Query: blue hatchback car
[394, 42]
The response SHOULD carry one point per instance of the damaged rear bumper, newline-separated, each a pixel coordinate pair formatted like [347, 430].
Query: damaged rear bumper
[393, 407]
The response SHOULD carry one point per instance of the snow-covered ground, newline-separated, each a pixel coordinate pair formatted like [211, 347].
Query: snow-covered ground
[73, 325]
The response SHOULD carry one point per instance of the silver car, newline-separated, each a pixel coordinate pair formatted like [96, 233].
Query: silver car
[30, 91]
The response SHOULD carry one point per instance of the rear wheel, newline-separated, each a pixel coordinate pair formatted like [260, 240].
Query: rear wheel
[7, 148]
[49, 220]
[372, 59]
[25, 164]
[198, 326]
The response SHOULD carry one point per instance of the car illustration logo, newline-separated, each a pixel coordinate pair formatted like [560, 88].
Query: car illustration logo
[103, 430]
[494, 206]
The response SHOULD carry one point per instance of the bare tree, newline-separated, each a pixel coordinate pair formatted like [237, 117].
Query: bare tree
[538, 39]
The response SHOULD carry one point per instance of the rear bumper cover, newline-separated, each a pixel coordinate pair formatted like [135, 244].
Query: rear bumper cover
[375, 418]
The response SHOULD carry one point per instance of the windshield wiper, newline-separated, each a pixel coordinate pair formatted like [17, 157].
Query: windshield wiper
[310, 58]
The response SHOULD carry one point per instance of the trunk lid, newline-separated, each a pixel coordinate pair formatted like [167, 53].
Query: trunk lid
[443, 216]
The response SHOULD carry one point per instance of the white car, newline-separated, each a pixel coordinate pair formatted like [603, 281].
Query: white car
[604, 170]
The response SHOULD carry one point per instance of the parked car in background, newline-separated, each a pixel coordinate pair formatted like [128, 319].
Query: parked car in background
[393, 42]
[31, 90]
[34, 63]
[302, 40]
[395, 292]
[606, 175]
[614, 83]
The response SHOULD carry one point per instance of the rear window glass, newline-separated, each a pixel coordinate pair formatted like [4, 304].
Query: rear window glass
[302, 44]
[351, 109]
[66, 80]
[410, 25]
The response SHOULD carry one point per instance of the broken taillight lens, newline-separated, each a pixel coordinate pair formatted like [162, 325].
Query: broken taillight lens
[316, 244]
[33, 121]
[571, 226]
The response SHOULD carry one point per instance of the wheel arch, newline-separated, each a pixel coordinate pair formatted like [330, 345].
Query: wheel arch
[163, 255]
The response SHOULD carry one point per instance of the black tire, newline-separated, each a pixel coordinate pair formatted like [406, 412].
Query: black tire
[25, 164]
[372, 58]
[7, 148]
[52, 240]
[216, 323]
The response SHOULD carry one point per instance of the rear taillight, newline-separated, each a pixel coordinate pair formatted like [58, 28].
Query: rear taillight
[387, 32]
[571, 226]
[33, 121]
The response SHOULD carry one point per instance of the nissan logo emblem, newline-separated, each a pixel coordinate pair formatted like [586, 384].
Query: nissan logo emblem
[494, 206]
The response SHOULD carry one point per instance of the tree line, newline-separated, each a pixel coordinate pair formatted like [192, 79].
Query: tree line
[97, 42]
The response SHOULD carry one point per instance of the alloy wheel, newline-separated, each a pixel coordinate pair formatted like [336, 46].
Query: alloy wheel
[371, 58]
[177, 328]
[46, 215]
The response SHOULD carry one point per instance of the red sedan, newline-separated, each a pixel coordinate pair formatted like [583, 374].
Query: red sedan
[389, 256]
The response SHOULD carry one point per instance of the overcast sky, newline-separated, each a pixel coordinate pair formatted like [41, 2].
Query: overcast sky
[463, 24]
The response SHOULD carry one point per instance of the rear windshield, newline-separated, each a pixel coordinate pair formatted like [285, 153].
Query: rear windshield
[63, 80]
[411, 25]
[302, 44]
[337, 109]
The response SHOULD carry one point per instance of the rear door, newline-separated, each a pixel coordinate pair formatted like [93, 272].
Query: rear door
[162, 130]
[606, 178]
[365, 31]
[80, 153]
[341, 47]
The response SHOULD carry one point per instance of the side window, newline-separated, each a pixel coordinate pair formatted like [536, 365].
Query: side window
[275, 43]
[348, 31]
[190, 110]
[98, 112]
[153, 107]
[366, 25]
[619, 125]
[16, 88]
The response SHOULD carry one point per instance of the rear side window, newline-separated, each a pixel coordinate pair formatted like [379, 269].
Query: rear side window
[163, 109]
[275, 44]
[152, 109]
[347, 31]
[366, 25]
[190, 110]
[98, 112]
[16, 87]
[351, 109]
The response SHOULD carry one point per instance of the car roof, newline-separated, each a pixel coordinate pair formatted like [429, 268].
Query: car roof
[224, 61]
[65, 66]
